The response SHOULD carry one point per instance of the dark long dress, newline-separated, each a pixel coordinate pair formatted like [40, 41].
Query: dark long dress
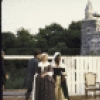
[45, 87]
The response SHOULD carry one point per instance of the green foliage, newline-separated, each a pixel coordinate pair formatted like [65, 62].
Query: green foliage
[50, 39]
[16, 79]
[92, 53]
[8, 40]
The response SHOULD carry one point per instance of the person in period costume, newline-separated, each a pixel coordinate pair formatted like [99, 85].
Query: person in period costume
[5, 74]
[61, 89]
[31, 69]
[44, 84]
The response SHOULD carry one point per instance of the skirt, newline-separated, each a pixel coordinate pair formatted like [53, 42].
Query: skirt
[45, 88]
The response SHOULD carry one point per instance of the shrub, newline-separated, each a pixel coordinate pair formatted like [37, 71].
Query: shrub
[16, 79]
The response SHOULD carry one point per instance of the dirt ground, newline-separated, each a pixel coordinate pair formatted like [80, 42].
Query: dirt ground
[71, 98]
[23, 98]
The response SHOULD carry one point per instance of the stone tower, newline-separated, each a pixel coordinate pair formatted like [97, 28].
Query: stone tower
[90, 33]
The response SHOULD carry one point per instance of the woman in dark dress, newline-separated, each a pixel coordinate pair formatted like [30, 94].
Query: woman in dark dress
[44, 84]
[61, 89]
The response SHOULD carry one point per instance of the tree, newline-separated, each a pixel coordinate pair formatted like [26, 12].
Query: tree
[23, 38]
[8, 40]
[50, 39]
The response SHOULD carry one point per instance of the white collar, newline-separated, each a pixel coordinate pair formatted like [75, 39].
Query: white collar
[41, 64]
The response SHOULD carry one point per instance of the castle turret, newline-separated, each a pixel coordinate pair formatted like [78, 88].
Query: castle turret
[88, 11]
[90, 32]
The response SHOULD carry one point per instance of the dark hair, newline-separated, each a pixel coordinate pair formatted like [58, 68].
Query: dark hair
[36, 52]
[56, 58]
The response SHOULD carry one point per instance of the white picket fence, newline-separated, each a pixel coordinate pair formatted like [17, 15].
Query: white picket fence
[77, 66]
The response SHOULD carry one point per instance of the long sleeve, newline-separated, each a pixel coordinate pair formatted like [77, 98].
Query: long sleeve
[4, 70]
[64, 69]
[2, 62]
[28, 71]
[35, 66]
[31, 68]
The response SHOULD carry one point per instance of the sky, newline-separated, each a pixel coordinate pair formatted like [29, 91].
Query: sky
[35, 14]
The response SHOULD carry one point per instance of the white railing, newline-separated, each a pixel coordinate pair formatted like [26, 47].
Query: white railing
[20, 57]
[77, 66]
